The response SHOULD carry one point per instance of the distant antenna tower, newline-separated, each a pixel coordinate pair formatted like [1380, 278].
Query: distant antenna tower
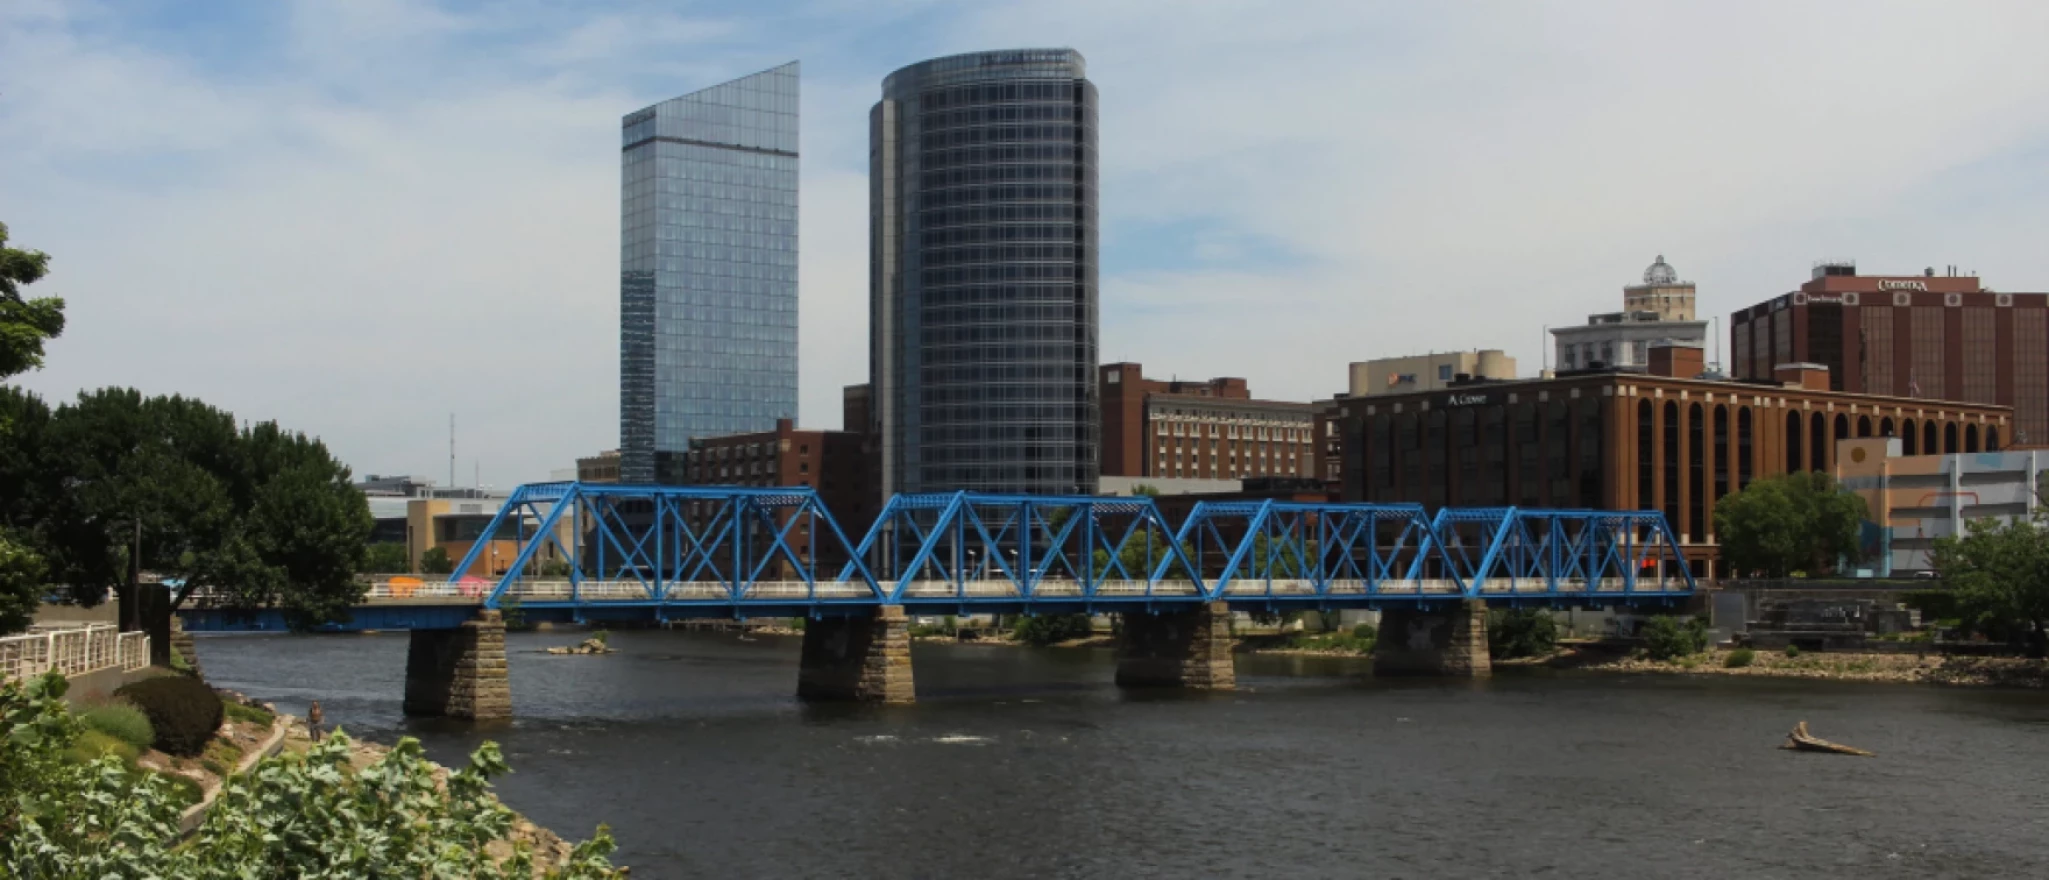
[451, 450]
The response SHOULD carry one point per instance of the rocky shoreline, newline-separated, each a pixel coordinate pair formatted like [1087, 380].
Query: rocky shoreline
[1894, 668]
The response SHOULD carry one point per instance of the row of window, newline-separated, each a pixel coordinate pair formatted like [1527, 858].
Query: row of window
[960, 96]
[999, 253]
[1062, 329]
[1230, 432]
[932, 217]
[996, 134]
[978, 373]
[1010, 435]
[986, 354]
[932, 238]
[981, 174]
[1003, 294]
[1037, 152]
[936, 120]
[1022, 192]
[1002, 272]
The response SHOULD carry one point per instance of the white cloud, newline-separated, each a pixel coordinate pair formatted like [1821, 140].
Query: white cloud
[406, 211]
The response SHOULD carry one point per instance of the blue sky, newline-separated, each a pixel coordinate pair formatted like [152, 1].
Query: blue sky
[356, 217]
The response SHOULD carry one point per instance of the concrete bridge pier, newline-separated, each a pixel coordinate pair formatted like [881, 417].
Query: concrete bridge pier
[1186, 648]
[460, 673]
[1447, 642]
[862, 659]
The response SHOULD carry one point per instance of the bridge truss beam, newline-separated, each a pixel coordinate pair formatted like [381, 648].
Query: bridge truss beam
[684, 549]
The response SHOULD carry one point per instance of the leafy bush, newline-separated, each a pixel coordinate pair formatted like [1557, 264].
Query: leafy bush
[297, 816]
[1366, 631]
[183, 711]
[252, 714]
[1521, 632]
[1669, 638]
[1339, 641]
[1739, 658]
[1049, 629]
[121, 721]
[1792, 650]
[93, 745]
[601, 636]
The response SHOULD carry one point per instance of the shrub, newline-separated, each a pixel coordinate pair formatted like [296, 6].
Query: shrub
[601, 636]
[1739, 658]
[93, 745]
[121, 721]
[1048, 629]
[1366, 631]
[252, 714]
[1792, 650]
[1669, 638]
[183, 712]
[1521, 632]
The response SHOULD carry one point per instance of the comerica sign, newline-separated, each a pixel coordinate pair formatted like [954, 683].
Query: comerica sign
[1897, 284]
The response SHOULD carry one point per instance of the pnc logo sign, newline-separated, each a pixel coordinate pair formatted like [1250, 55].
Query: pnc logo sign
[1903, 285]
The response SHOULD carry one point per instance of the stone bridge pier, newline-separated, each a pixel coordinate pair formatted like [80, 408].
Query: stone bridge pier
[862, 659]
[1444, 641]
[1187, 648]
[460, 673]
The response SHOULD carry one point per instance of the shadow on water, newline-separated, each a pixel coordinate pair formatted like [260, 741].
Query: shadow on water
[1030, 763]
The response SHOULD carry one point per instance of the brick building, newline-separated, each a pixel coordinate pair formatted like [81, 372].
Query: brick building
[1927, 336]
[836, 463]
[1211, 429]
[1641, 440]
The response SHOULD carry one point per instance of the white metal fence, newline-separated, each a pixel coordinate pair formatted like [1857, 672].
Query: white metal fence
[72, 651]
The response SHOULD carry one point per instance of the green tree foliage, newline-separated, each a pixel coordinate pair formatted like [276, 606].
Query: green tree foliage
[1788, 523]
[309, 815]
[261, 515]
[388, 557]
[1145, 490]
[21, 585]
[183, 712]
[1137, 552]
[25, 324]
[1998, 573]
[1521, 632]
[435, 561]
[1670, 638]
[1048, 629]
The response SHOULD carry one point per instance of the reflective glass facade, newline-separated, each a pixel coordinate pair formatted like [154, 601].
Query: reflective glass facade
[984, 296]
[707, 267]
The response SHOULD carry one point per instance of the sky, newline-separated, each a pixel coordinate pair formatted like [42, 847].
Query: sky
[356, 217]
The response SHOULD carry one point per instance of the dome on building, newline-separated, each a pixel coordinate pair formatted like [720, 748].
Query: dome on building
[1660, 272]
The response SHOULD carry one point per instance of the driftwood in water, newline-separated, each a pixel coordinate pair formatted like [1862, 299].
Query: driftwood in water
[1803, 741]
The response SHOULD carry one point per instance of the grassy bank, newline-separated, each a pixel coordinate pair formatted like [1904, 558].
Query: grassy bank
[1903, 668]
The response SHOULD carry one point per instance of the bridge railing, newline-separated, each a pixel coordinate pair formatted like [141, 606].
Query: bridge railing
[72, 651]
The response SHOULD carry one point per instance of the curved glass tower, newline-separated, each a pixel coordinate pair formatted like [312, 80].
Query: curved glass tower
[707, 269]
[983, 293]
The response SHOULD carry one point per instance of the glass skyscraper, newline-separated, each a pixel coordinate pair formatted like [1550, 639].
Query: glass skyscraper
[707, 269]
[983, 298]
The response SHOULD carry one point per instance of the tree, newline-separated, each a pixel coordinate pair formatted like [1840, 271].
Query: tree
[1999, 574]
[1790, 523]
[25, 324]
[436, 561]
[21, 585]
[1145, 490]
[1138, 555]
[387, 557]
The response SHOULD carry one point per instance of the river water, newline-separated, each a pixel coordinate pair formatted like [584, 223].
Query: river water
[1029, 763]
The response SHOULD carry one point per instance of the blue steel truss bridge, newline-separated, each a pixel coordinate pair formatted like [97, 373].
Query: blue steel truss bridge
[656, 553]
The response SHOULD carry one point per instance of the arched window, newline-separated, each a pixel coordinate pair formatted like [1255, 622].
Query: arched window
[1949, 437]
[1885, 427]
[1931, 439]
[1863, 426]
[1696, 474]
[1991, 439]
[1722, 450]
[1744, 444]
[1970, 438]
[1671, 462]
[1646, 458]
[1818, 444]
[1910, 437]
[1793, 457]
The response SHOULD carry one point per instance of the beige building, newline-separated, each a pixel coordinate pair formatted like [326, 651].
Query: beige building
[1428, 372]
[600, 468]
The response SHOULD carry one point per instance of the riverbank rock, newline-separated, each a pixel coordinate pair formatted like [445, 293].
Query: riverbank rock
[589, 646]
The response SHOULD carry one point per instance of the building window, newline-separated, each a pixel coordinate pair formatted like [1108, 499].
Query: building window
[1443, 372]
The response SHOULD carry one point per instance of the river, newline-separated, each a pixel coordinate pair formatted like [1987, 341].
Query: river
[1029, 763]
